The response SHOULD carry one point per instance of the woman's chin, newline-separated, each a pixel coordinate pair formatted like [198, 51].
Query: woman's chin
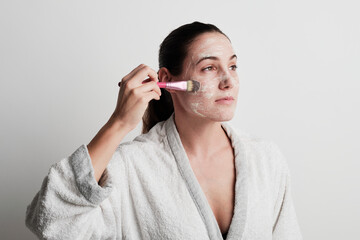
[217, 116]
[224, 118]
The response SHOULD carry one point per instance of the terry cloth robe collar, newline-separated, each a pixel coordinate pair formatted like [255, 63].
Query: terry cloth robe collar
[238, 221]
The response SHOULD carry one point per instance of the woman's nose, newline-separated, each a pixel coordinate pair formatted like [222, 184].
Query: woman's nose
[227, 81]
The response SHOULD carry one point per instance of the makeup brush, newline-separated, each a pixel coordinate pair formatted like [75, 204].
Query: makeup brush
[188, 86]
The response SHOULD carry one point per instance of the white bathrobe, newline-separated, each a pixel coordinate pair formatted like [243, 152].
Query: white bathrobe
[149, 191]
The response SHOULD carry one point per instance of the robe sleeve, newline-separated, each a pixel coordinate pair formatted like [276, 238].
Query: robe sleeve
[285, 225]
[71, 204]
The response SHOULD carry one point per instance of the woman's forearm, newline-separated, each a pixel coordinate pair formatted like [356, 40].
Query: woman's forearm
[133, 99]
[103, 145]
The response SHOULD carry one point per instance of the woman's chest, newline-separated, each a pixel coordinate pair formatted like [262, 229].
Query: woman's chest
[217, 180]
[164, 197]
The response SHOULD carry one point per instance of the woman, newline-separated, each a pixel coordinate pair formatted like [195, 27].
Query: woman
[188, 176]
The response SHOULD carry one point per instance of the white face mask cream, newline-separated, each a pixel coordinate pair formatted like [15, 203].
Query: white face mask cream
[211, 61]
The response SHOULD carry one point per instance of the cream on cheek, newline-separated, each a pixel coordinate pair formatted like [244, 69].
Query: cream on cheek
[196, 107]
[207, 89]
[202, 102]
[210, 86]
[199, 102]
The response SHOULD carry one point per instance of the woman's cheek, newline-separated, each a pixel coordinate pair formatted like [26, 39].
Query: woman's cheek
[201, 103]
[197, 108]
[198, 102]
[203, 108]
[236, 81]
[207, 89]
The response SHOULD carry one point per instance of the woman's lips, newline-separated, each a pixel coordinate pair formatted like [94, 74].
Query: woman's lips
[225, 100]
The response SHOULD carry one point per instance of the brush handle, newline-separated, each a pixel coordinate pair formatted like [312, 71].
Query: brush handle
[180, 85]
[160, 84]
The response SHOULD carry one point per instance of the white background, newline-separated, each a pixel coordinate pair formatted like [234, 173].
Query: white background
[60, 62]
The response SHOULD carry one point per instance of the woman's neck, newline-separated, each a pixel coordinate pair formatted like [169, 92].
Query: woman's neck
[200, 137]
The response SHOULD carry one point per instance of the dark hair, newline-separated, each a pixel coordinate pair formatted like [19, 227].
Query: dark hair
[172, 53]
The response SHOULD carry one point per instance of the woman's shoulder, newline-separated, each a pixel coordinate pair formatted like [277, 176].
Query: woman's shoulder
[150, 141]
[246, 137]
[259, 148]
[146, 151]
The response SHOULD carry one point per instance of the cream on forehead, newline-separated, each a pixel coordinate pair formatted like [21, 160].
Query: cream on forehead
[219, 51]
[208, 48]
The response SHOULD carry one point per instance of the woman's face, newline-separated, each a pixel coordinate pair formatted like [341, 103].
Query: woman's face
[212, 62]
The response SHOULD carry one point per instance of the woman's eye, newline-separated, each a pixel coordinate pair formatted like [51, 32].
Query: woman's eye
[233, 67]
[208, 68]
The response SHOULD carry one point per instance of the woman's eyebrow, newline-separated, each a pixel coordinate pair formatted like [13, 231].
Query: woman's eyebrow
[233, 56]
[207, 57]
[213, 58]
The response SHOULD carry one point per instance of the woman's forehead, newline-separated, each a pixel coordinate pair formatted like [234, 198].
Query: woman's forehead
[210, 44]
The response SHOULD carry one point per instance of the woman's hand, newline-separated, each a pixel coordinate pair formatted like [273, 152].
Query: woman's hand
[134, 96]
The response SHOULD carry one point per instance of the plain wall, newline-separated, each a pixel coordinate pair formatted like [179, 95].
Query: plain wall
[60, 62]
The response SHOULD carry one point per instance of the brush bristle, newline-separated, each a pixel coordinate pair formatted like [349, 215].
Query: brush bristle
[192, 86]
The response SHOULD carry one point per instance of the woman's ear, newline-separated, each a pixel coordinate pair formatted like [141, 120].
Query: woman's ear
[165, 76]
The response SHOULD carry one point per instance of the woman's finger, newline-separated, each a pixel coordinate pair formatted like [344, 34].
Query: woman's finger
[133, 72]
[145, 81]
[139, 76]
[149, 86]
[150, 95]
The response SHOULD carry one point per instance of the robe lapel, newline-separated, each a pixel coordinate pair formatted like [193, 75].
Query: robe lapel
[238, 222]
